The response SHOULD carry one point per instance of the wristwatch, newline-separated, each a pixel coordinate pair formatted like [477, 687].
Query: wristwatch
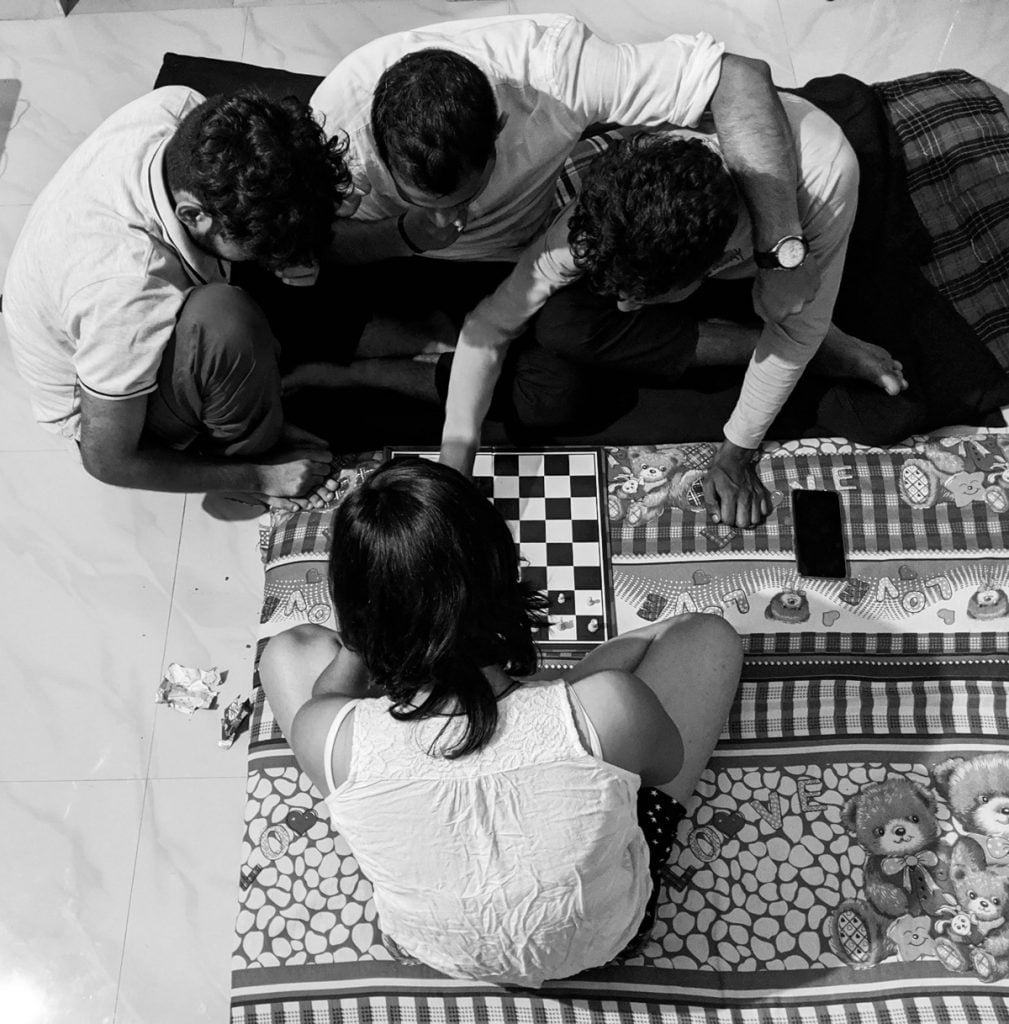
[787, 253]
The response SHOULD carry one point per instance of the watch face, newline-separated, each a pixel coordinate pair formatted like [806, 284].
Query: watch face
[791, 252]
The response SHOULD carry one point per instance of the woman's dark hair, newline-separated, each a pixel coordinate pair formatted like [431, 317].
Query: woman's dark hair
[434, 119]
[425, 582]
[654, 213]
[265, 171]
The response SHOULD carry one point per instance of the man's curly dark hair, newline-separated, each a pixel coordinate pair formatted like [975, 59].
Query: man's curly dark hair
[265, 171]
[435, 119]
[654, 213]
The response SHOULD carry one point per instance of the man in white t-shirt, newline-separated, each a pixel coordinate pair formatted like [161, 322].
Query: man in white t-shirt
[117, 302]
[461, 130]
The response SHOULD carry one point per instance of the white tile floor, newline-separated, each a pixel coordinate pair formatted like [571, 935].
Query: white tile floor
[119, 820]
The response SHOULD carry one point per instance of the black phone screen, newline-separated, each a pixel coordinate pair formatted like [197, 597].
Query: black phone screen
[819, 536]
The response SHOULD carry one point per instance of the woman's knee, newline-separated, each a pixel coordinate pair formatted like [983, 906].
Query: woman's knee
[711, 642]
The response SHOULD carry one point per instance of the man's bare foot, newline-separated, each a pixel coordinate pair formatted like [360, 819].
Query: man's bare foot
[844, 355]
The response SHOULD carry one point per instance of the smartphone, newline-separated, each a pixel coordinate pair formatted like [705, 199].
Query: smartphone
[819, 535]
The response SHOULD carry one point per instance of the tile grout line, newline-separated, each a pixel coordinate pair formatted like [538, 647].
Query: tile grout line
[147, 772]
[949, 34]
[788, 45]
[245, 30]
[124, 778]
[168, 625]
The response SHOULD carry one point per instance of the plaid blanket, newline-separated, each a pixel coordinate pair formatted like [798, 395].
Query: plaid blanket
[955, 137]
[872, 709]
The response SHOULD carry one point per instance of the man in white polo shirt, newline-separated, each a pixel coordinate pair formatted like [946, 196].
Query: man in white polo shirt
[117, 301]
[461, 130]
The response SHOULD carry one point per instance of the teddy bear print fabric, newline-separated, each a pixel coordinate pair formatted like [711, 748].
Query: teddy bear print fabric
[925, 535]
[932, 887]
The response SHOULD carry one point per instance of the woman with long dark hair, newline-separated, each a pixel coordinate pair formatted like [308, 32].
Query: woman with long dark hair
[497, 817]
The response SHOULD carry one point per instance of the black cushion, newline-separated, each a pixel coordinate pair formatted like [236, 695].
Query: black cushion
[211, 76]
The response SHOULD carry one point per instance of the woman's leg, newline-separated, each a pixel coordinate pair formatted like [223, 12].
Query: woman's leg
[692, 664]
[290, 665]
[693, 668]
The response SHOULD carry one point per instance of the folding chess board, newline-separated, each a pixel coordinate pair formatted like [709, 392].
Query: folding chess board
[554, 505]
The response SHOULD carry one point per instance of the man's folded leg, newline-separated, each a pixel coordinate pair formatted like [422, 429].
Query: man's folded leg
[219, 380]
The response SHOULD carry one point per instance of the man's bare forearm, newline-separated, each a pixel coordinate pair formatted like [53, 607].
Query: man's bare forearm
[475, 372]
[157, 469]
[757, 144]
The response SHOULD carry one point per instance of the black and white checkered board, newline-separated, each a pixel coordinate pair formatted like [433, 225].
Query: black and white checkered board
[553, 503]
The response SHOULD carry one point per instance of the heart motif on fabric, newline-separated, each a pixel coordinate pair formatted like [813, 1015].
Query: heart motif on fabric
[728, 823]
[301, 821]
[829, 618]
[700, 578]
[947, 615]
[907, 573]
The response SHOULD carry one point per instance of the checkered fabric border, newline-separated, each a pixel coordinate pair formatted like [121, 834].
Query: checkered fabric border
[520, 1009]
[298, 533]
[889, 644]
[788, 709]
[955, 138]
[262, 728]
[913, 704]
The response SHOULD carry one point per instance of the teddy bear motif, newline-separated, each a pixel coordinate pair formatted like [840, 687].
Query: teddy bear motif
[652, 482]
[905, 869]
[977, 791]
[980, 937]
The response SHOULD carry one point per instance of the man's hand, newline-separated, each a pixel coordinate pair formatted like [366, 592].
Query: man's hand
[733, 491]
[294, 473]
[321, 495]
[778, 294]
[429, 230]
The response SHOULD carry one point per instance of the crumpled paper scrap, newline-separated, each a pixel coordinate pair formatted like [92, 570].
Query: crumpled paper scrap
[232, 720]
[188, 689]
